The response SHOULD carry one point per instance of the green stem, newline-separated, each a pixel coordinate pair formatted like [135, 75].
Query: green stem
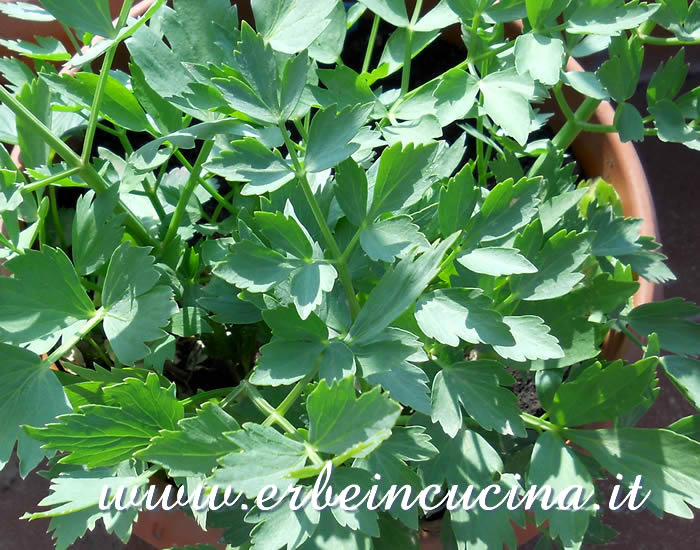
[100, 352]
[563, 104]
[71, 37]
[235, 394]
[38, 185]
[480, 160]
[126, 144]
[66, 346]
[190, 186]
[345, 257]
[86, 171]
[370, 43]
[568, 133]
[57, 219]
[155, 201]
[408, 50]
[202, 397]
[223, 202]
[102, 86]
[5, 241]
[667, 41]
[219, 207]
[268, 410]
[343, 271]
[292, 396]
[538, 423]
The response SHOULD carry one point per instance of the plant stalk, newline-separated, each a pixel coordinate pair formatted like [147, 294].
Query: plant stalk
[343, 271]
[190, 186]
[102, 86]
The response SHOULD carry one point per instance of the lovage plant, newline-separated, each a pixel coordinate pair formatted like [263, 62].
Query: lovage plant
[268, 246]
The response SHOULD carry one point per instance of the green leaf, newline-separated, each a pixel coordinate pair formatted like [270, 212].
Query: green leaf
[464, 460]
[36, 98]
[684, 372]
[46, 48]
[284, 362]
[614, 235]
[362, 519]
[609, 17]
[189, 321]
[539, 56]
[556, 465]
[403, 177]
[629, 123]
[476, 386]
[30, 394]
[387, 362]
[668, 79]
[392, 11]
[670, 319]
[308, 284]
[266, 457]
[421, 131]
[457, 202]
[496, 261]
[136, 308]
[285, 234]
[585, 83]
[91, 16]
[220, 298]
[96, 231]
[351, 190]
[537, 11]
[507, 97]
[328, 47]
[282, 527]
[302, 339]
[620, 73]
[568, 317]
[452, 314]
[532, 340]
[392, 238]
[392, 471]
[396, 291]
[26, 12]
[688, 426]
[75, 498]
[290, 26]
[31, 309]
[254, 267]
[105, 435]
[556, 263]
[338, 362]
[667, 463]
[161, 68]
[252, 162]
[285, 323]
[438, 18]
[599, 394]
[119, 105]
[508, 207]
[330, 136]
[340, 422]
[194, 448]
[670, 122]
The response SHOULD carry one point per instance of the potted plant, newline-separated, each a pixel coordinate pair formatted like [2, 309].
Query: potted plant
[280, 257]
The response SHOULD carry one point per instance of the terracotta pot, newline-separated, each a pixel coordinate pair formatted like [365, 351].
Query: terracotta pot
[599, 155]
